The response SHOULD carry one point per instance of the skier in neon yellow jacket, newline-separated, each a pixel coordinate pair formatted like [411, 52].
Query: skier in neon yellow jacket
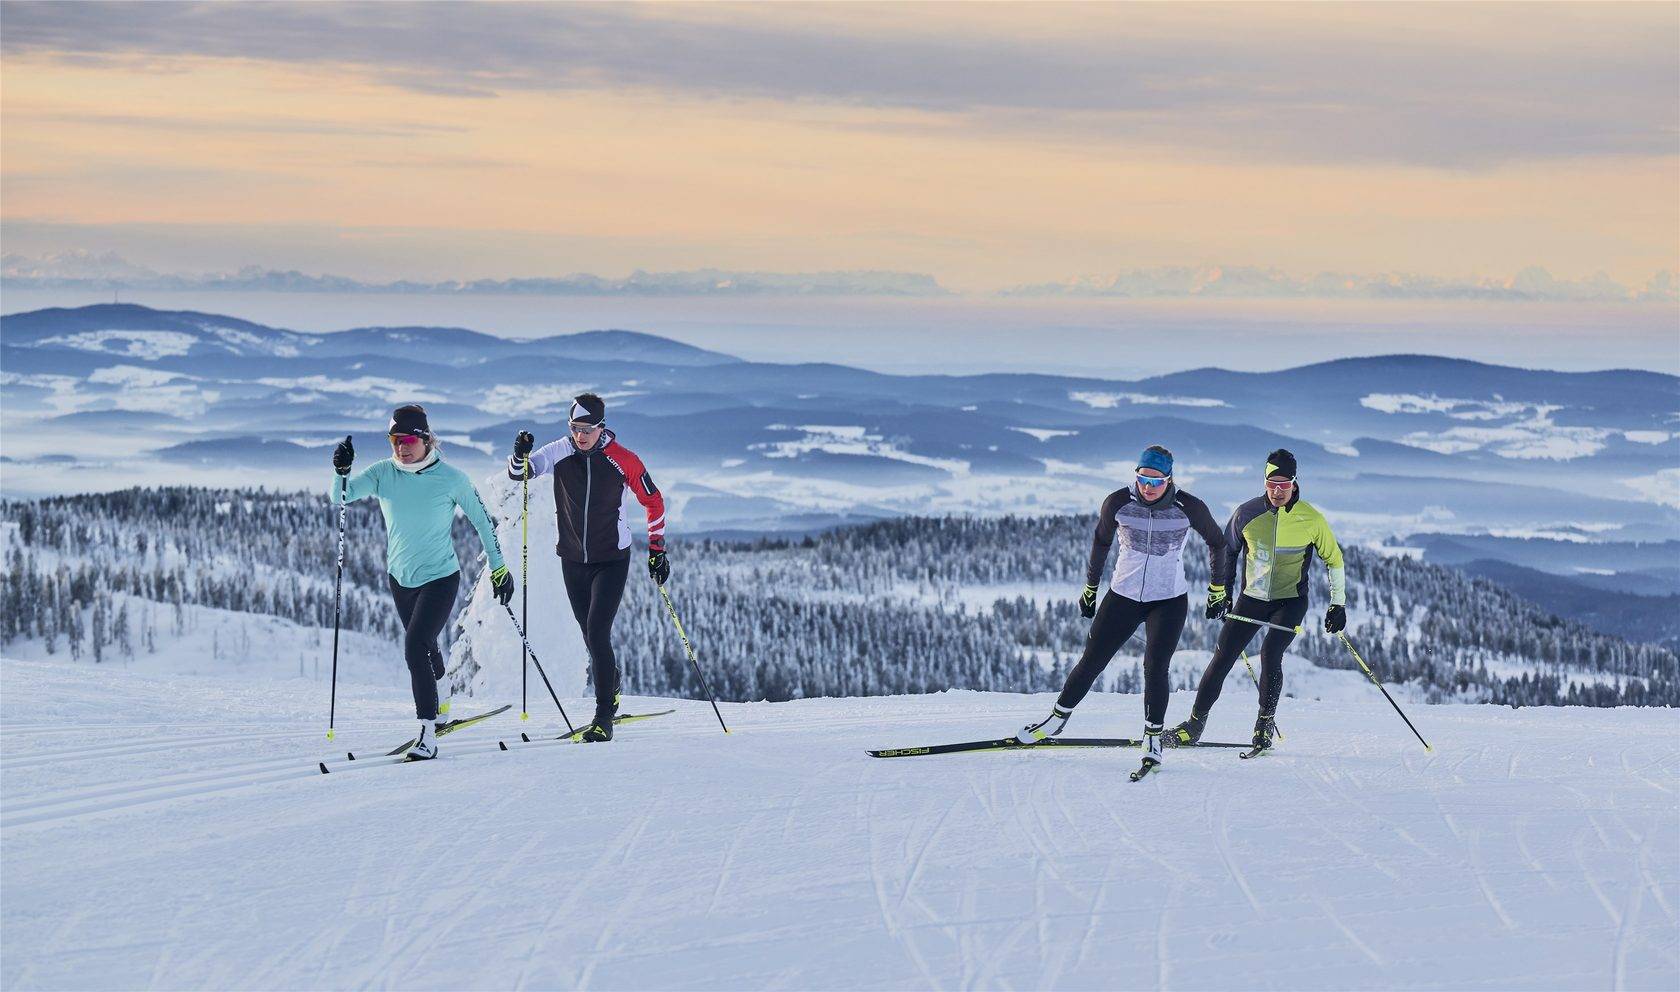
[1276, 536]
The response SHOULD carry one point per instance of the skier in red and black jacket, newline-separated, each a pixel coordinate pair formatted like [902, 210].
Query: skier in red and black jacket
[594, 479]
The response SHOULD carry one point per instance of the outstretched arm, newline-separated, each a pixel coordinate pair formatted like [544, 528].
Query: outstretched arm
[359, 486]
[541, 461]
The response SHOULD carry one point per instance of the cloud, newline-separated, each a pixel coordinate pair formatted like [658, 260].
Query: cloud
[1397, 87]
[80, 269]
[1251, 282]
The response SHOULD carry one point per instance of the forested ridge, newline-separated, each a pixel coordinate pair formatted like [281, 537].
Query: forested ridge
[880, 609]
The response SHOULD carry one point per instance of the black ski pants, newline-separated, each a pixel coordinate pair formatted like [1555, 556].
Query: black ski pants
[424, 610]
[1234, 638]
[1117, 619]
[595, 589]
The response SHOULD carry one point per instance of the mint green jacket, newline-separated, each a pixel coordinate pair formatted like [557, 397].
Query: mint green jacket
[419, 509]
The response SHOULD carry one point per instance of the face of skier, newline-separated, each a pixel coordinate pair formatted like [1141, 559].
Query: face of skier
[1279, 488]
[407, 448]
[584, 436]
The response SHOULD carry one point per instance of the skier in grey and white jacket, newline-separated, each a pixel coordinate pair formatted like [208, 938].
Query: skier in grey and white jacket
[1152, 518]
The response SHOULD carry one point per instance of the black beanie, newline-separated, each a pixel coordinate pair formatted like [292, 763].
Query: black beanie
[410, 419]
[588, 409]
[1280, 462]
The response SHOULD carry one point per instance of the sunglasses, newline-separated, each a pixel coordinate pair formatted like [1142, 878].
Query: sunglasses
[1280, 486]
[586, 428]
[1152, 481]
[407, 439]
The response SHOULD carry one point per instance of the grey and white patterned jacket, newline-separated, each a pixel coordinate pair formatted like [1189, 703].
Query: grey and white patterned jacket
[1150, 565]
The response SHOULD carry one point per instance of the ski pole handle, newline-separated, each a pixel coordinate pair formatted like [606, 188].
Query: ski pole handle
[1264, 623]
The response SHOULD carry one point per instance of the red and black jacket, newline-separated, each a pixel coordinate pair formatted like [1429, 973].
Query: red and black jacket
[592, 493]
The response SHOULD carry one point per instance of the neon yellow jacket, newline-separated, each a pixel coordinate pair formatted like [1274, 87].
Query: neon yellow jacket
[1276, 545]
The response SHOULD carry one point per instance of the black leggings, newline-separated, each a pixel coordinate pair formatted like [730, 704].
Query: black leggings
[595, 590]
[424, 610]
[1234, 639]
[1117, 619]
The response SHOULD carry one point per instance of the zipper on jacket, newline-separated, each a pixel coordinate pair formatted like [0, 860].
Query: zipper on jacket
[588, 481]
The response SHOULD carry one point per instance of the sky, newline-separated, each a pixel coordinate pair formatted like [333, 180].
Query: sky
[989, 146]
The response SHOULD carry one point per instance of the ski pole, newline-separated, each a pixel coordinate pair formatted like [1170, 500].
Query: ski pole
[524, 587]
[1378, 683]
[527, 646]
[691, 659]
[1264, 623]
[338, 592]
[1262, 698]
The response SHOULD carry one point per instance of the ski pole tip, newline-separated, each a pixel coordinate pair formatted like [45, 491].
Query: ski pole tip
[524, 716]
[329, 735]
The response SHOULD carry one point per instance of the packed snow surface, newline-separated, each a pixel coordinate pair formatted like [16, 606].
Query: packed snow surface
[173, 831]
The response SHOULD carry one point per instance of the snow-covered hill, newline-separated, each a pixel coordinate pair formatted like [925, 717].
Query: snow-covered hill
[173, 832]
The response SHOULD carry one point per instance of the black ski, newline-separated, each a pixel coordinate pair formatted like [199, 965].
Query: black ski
[1012, 744]
[1254, 752]
[447, 728]
[1148, 766]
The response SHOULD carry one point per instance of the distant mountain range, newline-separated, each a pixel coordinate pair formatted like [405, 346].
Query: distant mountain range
[1405, 451]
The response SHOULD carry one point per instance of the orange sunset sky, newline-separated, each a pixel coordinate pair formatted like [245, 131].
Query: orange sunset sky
[986, 145]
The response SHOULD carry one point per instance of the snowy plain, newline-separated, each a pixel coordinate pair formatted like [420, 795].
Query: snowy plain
[169, 830]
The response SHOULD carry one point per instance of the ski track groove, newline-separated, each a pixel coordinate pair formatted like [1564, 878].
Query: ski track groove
[905, 942]
[1222, 843]
[1329, 910]
[1473, 861]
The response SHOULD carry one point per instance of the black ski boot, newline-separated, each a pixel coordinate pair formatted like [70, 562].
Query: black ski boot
[1188, 732]
[1265, 728]
[594, 733]
[1151, 753]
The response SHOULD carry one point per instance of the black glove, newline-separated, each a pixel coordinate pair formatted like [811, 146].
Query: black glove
[501, 585]
[1088, 602]
[1218, 604]
[344, 456]
[1335, 620]
[523, 442]
[658, 566]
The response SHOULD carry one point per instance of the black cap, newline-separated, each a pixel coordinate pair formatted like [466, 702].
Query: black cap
[1280, 462]
[410, 419]
[588, 409]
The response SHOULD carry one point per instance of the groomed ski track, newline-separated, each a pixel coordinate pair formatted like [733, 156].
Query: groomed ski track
[200, 847]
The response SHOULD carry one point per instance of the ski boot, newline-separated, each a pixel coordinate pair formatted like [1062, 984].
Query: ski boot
[600, 730]
[1050, 726]
[1265, 728]
[425, 746]
[1151, 753]
[1188, 732]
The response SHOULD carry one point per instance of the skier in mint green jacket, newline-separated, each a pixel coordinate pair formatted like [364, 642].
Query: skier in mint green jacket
[418, 494]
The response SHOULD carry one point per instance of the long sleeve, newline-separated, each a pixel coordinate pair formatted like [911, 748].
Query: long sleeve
[359, 486]
[641, 486]
[466, 497]
[1202, 520]
[543, 459]
[1108, 522]
[1235, 547]
[1331, 552]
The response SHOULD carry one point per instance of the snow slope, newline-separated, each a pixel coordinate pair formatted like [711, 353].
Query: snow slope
[198, 847]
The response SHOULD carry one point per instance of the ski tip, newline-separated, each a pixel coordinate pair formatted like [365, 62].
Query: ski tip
[351, 755]
[323, 766]
[502, 745]
[525, 738]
